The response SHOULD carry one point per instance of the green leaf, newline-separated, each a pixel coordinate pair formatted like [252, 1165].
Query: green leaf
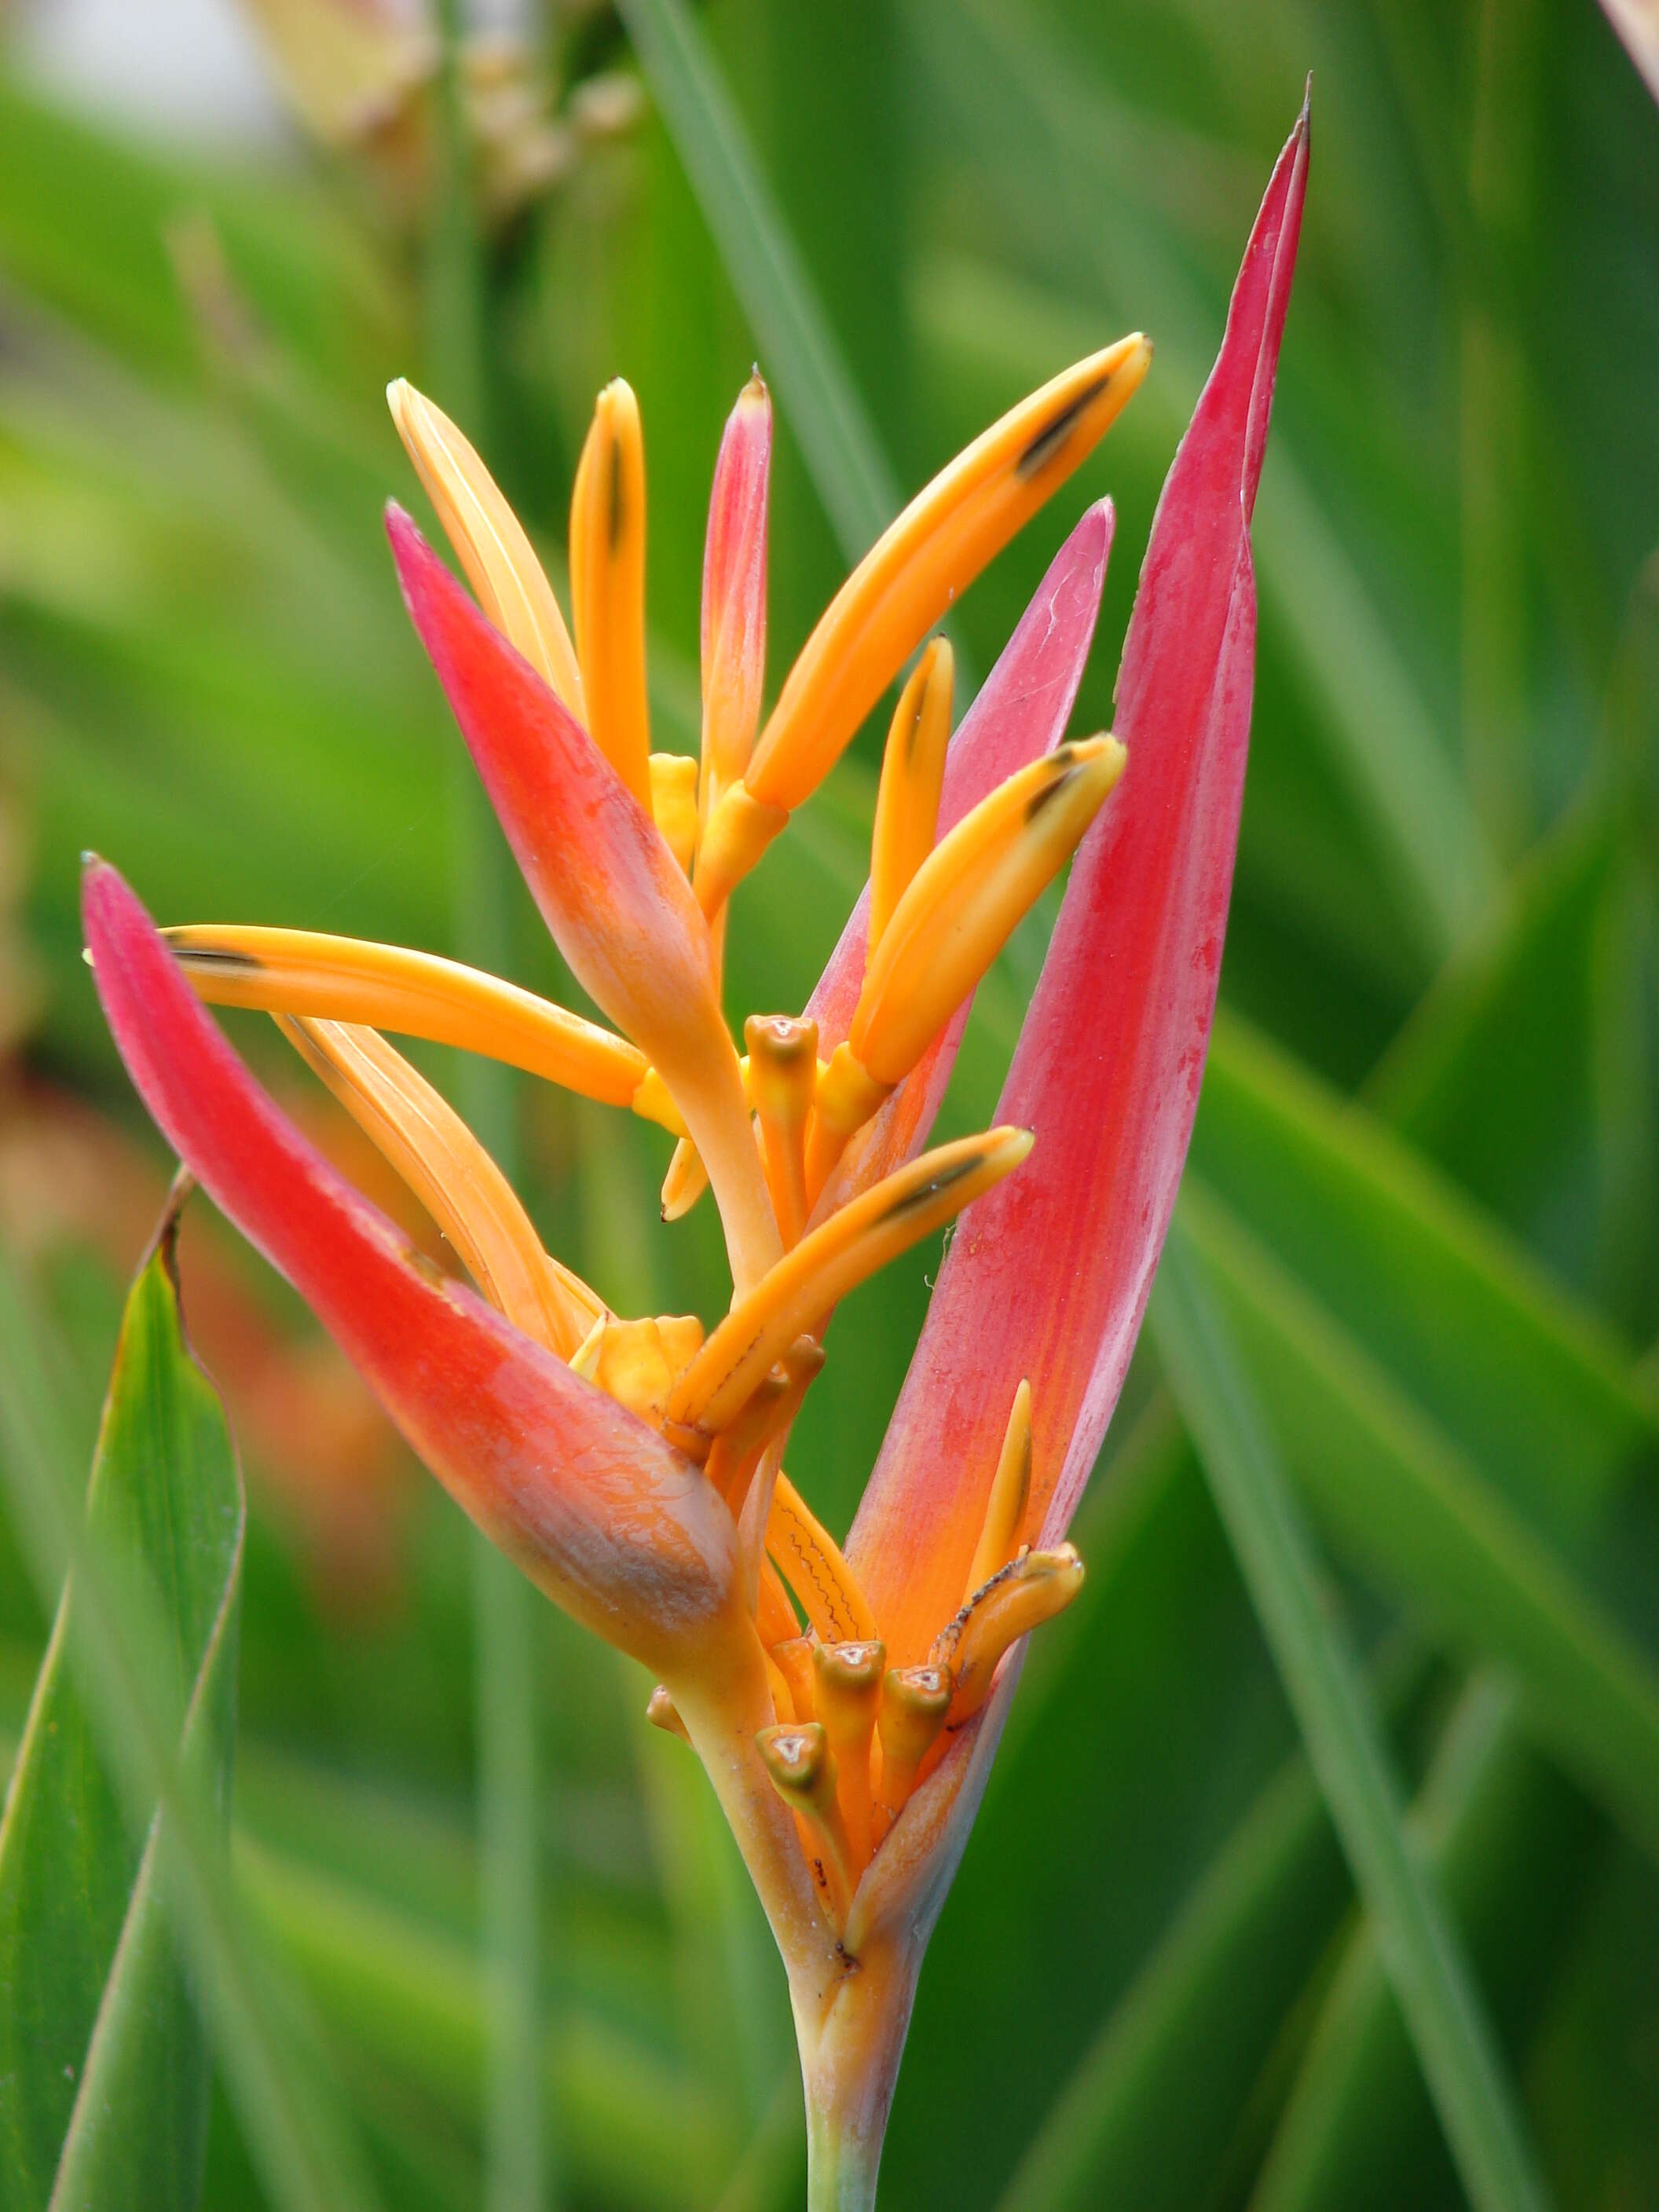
[104, 2070]
[802, 359]
[1509, 1841]
[1431, 1978]
[1155, 2108]
[1419, 1517]
[1526, 1379]
[127, 1663]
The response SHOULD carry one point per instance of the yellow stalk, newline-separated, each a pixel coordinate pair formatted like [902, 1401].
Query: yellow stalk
[965, 899]
[802, 1768]
[383, 986]
[1011, 1486]
[453, 1177]
[912, 772]
[1029, 1590]
[848, 1095]
[490, 542]
[848, 1682]
[914, 1703]
[792, 1296]
[738, 830]
[783, 1075]
[607, 585]
[931, 552]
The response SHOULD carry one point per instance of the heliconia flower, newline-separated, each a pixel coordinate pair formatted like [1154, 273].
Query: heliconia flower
[846, 1702]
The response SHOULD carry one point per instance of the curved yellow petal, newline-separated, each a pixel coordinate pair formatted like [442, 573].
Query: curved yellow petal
[807, 1282]
[810, 1562]
[931, 553]
[1011, 1487]
[1029, 1590]
[964, 901]
[453, 1177]
[385, 986]
[912, 774]
[489, 541]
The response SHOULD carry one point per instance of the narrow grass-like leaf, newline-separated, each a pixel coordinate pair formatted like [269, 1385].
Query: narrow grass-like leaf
[1424, 1960]
[803, 359]
[1416, 1516]
[1153, 2105]
[1007, 71]
[104, 2070]
[407, 2001]
[1506, 1836]
[126, 1670]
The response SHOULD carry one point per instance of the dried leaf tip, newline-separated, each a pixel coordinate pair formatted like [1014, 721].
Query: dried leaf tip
[489, 541]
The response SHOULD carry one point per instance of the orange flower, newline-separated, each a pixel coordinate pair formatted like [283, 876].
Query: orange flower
[845, 1703]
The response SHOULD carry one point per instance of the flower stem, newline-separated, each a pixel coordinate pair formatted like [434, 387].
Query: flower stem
[841, 2173]
[849, 2059]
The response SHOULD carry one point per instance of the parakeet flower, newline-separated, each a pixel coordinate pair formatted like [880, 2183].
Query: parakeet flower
[846, 1699]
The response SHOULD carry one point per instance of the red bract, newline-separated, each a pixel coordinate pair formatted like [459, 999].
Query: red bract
[1053, 1280]
[596, 1508]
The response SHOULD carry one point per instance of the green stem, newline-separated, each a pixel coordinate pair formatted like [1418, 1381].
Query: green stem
[841, 2172]
[504, 1628]
[849, 2057]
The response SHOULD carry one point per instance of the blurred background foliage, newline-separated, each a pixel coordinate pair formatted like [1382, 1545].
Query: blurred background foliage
[1426, 1179]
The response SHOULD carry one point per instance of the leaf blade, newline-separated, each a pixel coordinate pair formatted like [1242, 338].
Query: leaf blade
[103, 2066]
[1424, 1955]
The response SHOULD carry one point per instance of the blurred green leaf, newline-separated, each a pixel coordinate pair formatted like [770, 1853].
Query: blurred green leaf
[104, 2069]
[851, 472]
[1416, 1516]
[126, 1670]
[1424, 1958]
[1506, 1838]
[1529, 1381]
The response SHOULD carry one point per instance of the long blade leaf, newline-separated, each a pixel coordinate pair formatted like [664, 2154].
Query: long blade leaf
[1420, 1947]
